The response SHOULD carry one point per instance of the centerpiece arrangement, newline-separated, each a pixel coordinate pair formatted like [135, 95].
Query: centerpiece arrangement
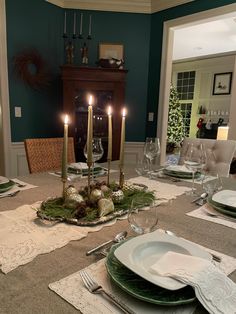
[97, 202]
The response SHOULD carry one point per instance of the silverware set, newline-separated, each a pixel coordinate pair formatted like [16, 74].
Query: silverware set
[94, 287]
[10, 194]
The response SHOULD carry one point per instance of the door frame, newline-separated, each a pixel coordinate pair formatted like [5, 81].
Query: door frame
[5, 129]
[166, 68]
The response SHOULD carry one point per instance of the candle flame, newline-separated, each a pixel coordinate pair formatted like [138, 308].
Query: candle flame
[123, 112]
[90, 100]
[109, 111]
[66, 120]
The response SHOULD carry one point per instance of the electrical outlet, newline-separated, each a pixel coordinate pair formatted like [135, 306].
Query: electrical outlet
[18, 112]
[150, 116]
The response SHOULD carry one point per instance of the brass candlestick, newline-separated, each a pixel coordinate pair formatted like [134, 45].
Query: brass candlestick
[89, 177]
[108, 171]
[63, 187]
[122, 177]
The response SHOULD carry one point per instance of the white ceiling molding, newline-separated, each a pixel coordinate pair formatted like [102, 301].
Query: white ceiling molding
[132, 6]
[159, 5]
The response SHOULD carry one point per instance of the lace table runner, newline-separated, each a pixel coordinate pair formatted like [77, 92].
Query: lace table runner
[201, 213]
[162, 190]
[23, 236]
[73, 291]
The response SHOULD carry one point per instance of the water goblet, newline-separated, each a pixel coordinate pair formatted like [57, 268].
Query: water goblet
[195, 160]
[97, 151]
[142, 215]
[151, 150]
[142, 166]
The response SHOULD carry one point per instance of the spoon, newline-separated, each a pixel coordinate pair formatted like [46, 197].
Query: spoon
[202, 196]
[118, 238]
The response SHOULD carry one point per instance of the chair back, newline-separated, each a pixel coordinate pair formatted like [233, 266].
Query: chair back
[222, 150]
[44, 154]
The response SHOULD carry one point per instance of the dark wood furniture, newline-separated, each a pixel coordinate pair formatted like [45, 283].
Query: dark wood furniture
[108, 87]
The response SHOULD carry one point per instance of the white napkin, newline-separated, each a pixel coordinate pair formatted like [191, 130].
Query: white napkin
[179, 168]
[213, 288]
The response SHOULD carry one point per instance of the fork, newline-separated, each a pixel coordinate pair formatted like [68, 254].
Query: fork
[95, 288]
[10, 194]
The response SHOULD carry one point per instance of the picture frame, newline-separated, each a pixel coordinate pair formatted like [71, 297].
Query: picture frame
[111, 50]
[222, 83]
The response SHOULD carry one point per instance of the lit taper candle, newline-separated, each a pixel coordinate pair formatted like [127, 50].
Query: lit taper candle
[109, 151]
[122, 139]
[90, 132]
[64, 153]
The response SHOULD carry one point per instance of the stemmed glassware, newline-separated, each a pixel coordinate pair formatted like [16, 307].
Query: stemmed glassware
[151, 149]
[142, 215]
[97, 151]
[195, 160]
[211, 186]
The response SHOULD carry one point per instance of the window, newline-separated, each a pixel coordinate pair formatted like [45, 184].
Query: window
[186, 109]
[185, 85]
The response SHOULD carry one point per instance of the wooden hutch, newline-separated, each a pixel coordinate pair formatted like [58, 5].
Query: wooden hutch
[108, 87]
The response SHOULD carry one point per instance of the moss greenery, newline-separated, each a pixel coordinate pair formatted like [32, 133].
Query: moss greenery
[55, 208]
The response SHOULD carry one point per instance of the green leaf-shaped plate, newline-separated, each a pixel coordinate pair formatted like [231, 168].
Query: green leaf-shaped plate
[143, 289]
[223, 209]
[6, 186]
[181, 174]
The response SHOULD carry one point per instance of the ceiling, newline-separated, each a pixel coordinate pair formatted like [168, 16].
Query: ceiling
[204, 39]
[134, 6]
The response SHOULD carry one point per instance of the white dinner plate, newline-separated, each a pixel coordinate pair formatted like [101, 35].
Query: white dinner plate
[225, 197]
[3, 180]
[141, 252]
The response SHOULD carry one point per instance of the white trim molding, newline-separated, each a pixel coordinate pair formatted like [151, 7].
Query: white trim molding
[19, 165]
[131, 6]
[5, 130]
[166, 65]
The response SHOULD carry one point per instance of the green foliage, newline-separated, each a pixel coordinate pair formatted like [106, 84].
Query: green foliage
[55, 208]
[175, 128]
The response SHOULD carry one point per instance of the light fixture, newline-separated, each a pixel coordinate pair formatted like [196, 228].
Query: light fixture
[222, 133]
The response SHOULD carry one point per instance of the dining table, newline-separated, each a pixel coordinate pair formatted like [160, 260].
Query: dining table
[24, 290]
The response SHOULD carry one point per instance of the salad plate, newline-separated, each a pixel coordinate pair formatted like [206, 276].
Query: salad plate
[142, 289]
[141, 252]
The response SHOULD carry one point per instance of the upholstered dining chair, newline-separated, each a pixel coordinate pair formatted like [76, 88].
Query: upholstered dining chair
[44, 154]
[223, 152]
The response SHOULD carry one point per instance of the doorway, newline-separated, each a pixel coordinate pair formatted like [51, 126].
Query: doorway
[166, 68]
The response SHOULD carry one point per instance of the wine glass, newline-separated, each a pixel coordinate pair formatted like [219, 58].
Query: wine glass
[151, 150]
[142, 166]
[97, 151]
[142, 215]
[195, 160]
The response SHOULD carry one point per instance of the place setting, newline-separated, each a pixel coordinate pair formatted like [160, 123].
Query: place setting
[139, 275]
[218, 207]
[11, 187]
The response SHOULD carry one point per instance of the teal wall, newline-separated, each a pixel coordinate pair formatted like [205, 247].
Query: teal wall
[40, 24]
[34, 24]
[156, 47]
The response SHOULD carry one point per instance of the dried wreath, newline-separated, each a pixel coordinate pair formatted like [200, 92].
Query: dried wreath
[31, 68]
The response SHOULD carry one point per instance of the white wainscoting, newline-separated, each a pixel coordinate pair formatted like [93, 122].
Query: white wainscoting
[19, 166]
